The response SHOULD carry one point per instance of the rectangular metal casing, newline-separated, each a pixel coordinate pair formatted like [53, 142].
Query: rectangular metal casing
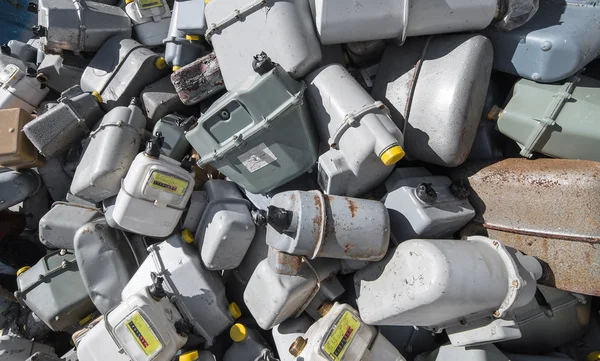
[411, 217]
[241, 29]
[120, 70]
[79, 25]
[64, 125]
[160, 99]
[16, 150]
[199, 293]
[558, 41]
[439, 85]
[198, 80]
[54, 291]
[59, 225]
[547, 208]
[560, 120]
[260, 135]
[60, 72]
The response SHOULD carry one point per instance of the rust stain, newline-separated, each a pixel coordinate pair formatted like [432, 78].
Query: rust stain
[86, 231]
[348, 248]
[352, 206]
[318, 219]
[288, 262]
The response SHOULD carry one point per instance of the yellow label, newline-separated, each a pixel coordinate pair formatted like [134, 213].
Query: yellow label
[168, 183]
[142, 333]
[341, 336]
[149, 4]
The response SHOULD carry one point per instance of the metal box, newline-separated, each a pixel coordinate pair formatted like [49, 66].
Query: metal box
[345, 22]
[19, 90]
[447, 284]
[187, 26]
[58, 226]
[150, 20]
[282, 29]
[56, 180]
[20, 50]
[160, 99]
[248, 344]
[13, 348]
[556, 43]
[54, 291]
[559, 120]
[226, 229]
[562, 319]
[153, 194]
[362, 141]
[523, 203]
[248, 139]
[173, 127]
[78, 25]
[198, 203]
[425, 206]
[112, 149]
[198, 80]
[438, 85]
[16, 151]
[341, 331]
[142, 328]
[289, 294]
[307, 223]
[106, 260]
[16, 186]
[120, 70]
[61, 72]
[66, 124]
[198, 293]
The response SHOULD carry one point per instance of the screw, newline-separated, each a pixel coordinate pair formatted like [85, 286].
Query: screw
[515, 284]
[495, 243]
[546, 45]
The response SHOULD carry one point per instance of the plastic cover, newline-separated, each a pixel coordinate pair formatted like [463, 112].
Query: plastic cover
[517, 13]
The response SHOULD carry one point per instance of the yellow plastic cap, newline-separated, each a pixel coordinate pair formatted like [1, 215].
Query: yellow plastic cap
[97, 96]
[187, 236]
[206, 1]
[22, 269]
[128, 1]
[235, 311]
[160, 63]
[593, 356]
[189, 356]
[175, 68]
[192, 37]
[392, 155]
[86, 319]
[238, 332]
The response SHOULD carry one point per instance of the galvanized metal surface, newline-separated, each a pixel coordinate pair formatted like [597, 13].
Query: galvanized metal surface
[547, 208]
[198, 80]
[439, 87]
[79, 25]
[160, 99]
[59, 226]
[329, 226]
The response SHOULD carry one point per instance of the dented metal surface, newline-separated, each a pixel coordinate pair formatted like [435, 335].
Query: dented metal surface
[547, 208]
[198, 80]
[313, 225]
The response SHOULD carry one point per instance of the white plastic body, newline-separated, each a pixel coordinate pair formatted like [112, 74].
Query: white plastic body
[342, 335]
[443, 283]
[247, 350]
[411, 217]
[282, 29]
[156, 325]
[199, 294]
[286, 332]
[20, 91]
[340, 22]
[153, 196]
[354, 166]
[226, 230]
[150, 22]
[110, 153]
